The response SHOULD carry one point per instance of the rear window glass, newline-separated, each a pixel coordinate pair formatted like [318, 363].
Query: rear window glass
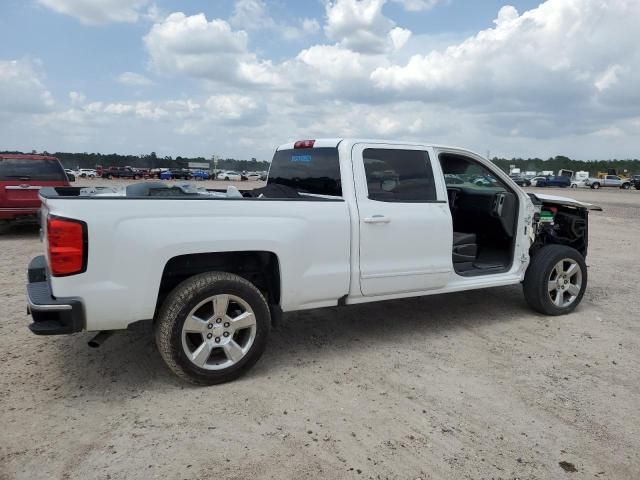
[308, 170]
[19, 168]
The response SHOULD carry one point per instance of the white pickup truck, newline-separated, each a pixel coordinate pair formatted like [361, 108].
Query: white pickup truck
[608, 181]
[340, 222]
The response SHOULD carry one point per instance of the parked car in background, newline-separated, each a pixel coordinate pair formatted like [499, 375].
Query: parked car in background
[534, 181]
[483, 181]
[21, 177]
[229, 175]
[452, 179]
[551, 181]
[608, 181]
[251, 176]
[200, 175]
[87, 173]
[121, 172]
[71, 174]
[176, 174]
[635, 181]
[521, 181]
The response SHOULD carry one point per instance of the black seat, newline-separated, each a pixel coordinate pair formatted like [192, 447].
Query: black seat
[460, 238]
[465, 248]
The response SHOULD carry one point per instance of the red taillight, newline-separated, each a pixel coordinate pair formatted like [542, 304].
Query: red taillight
[67, 246]
[304, 144]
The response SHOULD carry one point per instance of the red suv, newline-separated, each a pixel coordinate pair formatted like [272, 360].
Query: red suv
[21, 177]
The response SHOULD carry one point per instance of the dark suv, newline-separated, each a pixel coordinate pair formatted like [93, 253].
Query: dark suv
[121, 172]
[554, 181]
[21, 177]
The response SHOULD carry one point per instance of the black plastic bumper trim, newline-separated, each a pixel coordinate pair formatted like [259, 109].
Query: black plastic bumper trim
[51, 316]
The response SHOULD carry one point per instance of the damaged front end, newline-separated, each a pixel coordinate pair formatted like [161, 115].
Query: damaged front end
[560, 221]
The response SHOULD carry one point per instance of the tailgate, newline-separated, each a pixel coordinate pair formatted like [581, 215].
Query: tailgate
[23, 195]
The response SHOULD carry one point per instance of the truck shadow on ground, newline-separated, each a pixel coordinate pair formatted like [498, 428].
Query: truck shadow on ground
[129, 360]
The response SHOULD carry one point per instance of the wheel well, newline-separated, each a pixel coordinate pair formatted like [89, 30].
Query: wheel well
[260, 268]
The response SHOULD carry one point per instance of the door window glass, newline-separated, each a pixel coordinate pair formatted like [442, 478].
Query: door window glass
[395, 175]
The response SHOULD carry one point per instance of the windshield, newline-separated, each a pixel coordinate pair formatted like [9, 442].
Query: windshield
[463, 172]
[39, 169]
[308, 170]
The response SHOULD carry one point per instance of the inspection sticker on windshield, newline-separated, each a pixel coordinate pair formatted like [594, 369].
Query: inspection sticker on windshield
[301, 158]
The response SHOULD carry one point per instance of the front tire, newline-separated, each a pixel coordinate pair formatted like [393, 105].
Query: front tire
[595, 185]
[555, 281]
[212, 328]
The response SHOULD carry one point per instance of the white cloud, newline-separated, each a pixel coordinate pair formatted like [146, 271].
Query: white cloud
[232, 107]
[419, 5]
[359, 25]
[77, 98]
[251, 15]
[210, 50]
[133, 79]
[558, 62]
[95, 12]
[22, 89]
[609, 78]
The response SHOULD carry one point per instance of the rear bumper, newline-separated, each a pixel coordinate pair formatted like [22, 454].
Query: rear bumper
[51, 316]
[26, 213]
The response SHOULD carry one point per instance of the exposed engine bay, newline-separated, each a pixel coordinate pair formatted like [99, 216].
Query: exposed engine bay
[561, 221]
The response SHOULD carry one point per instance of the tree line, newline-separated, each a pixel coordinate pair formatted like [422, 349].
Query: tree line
[92, 160]
[559, 162]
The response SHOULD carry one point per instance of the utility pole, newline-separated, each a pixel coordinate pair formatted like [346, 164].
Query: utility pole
[215, 163]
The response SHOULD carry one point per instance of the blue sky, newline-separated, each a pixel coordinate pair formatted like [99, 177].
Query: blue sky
[236, 78]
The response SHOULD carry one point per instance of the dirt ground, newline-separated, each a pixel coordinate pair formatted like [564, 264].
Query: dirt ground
[469, 385]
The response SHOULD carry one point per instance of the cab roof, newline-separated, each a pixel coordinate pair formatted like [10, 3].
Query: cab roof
[334, 142]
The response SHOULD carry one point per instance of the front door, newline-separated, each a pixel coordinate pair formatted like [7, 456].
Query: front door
[405, 224]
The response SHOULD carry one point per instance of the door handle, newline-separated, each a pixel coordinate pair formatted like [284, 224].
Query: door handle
[377, 219]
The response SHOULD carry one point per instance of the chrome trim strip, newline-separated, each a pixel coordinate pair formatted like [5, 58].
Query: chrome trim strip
[35, 306]
[20, 209]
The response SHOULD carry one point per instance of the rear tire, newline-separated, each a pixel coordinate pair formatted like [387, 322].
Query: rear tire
[195, 332]
[626, 186]
[555, 281]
